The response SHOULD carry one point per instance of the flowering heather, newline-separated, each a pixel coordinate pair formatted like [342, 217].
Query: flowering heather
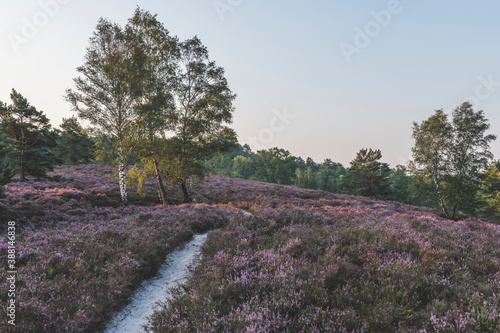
[285, 259]
[309, 261]
[78, 261]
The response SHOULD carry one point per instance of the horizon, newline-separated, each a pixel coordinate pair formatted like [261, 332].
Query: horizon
[322, 81]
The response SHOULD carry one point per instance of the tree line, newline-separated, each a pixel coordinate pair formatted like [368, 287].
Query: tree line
[161, 104]
[452, 168]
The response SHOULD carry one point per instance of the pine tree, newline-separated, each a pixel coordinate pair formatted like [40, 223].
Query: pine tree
[31, 138]
[74, 146]
[7, 170]
[367, 176]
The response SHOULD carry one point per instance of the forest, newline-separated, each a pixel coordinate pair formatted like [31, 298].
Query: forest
[148, 159]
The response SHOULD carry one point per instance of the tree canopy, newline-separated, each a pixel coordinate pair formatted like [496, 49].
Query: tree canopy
[276, 165]
[107, 92]
[28, 138]
[75, 146]
[147, 94]
[367, 176]
[452, 154]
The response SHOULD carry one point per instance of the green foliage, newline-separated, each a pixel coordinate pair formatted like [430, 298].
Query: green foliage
[107, 92]
[138, 175]
[154, 99]
[7, 170]
[28, 138]
[238, 163]
[74, 144]
[399, 182]
[311, 179]
[489, 192]
[221, 164]
[156, 109]
[184, 159]
[367, 176]
[451, 154]
[300, 179]
[204, 107]
[422, 191]
[275, 165]
[104, 152]
[243, 167]
[329, 176]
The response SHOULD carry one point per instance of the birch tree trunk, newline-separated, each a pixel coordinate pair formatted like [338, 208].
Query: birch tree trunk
[440, 197]
[123, 184]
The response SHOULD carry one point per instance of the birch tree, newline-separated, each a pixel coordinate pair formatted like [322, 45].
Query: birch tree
[204, 107]
[433, 138]
[106, 92]
[157, 105]
[452, 154]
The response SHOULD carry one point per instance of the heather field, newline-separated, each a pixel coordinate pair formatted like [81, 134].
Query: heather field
[81, 255]
[284, 259]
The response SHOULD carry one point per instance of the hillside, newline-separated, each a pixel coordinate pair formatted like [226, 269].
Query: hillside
[284, 259]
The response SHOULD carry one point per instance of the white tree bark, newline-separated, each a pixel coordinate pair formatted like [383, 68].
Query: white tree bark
[123, 184]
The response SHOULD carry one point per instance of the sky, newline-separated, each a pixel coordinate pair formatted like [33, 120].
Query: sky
[322, 79]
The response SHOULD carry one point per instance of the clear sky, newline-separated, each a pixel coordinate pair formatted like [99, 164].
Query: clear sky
[320, 78]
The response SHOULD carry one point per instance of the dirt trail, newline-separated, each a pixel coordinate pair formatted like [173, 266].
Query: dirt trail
[172, 272]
